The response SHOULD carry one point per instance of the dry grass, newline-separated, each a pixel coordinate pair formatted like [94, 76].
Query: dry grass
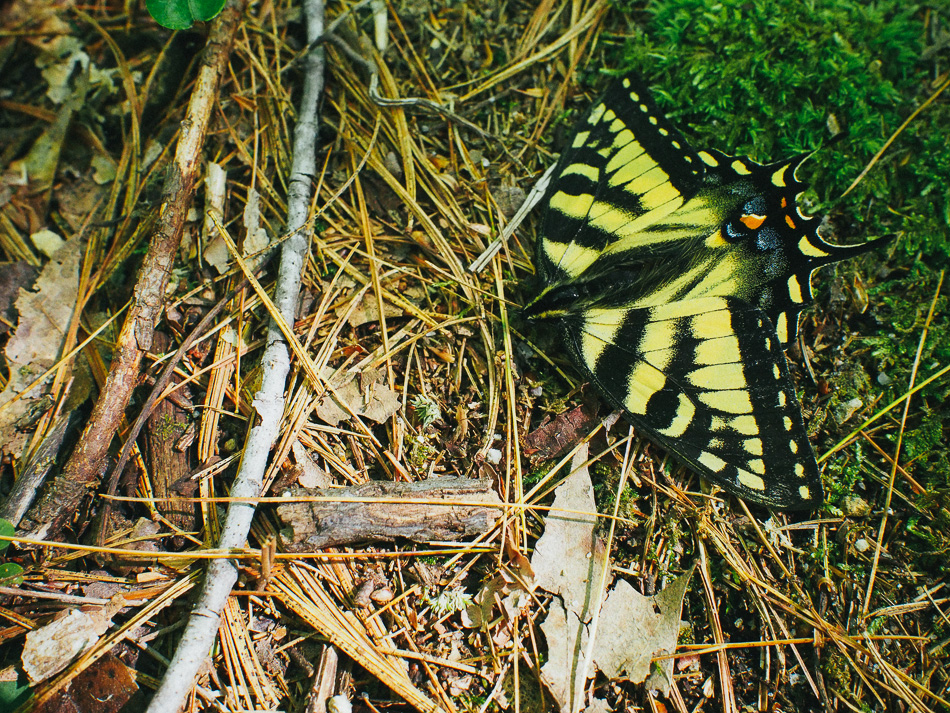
[406, 199]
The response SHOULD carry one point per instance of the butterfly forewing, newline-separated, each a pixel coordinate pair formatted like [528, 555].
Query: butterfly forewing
[626, 169]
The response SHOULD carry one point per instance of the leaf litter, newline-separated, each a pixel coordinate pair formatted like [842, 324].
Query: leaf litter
[44, 315]
[569, 561]
[407, 199]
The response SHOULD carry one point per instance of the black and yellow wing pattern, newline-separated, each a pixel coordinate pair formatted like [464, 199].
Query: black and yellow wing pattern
[677, 278]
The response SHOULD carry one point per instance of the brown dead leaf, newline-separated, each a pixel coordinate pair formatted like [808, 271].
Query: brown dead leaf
[508, 199]
[650, 628]
[567, 561]
[520, 565]
[564, 673]
[367, 311]
[569, 558]
[51, 648]
[44, 316]
[598, 705]
[13, 276]
[77, 198]
[105, 687]
[478, 614]
[510, 590]
[375, 400]
[558, 435]
[256, 239]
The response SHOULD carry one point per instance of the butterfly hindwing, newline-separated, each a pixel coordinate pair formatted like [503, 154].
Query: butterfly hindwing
[678, 277]
[708, 380]
[767, 230]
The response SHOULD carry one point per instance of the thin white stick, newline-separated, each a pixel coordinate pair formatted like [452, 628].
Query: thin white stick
[202, 626]
[534, 197]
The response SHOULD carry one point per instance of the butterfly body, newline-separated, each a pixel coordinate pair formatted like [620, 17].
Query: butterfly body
[677, 278]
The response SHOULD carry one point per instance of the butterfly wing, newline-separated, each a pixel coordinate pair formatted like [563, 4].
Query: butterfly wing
[630, 195]
[766, 229]
[626, 169]
[707, 379]
[678, 278]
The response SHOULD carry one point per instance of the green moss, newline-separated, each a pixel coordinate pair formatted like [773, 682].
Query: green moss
[901, 305]
[844, 473]
[168, 428]
[534, 475]
[760, 78]
[923, 446]
[421, 451]
[836, 668]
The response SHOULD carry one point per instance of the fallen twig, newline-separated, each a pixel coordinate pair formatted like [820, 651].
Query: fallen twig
[60, 500]
[315, 525]
[102, 526]
[202, 627]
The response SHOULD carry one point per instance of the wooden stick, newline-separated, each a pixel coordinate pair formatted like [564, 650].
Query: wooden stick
[60, 501]
[315, 525]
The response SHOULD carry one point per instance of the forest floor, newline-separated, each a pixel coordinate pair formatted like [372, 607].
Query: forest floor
[471, 530]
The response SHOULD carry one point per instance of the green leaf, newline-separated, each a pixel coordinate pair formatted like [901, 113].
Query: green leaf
[10, 574]
[182, 14]
[7, 530]
[14, 693]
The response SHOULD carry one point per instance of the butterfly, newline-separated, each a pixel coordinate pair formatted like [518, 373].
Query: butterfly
[676, 278]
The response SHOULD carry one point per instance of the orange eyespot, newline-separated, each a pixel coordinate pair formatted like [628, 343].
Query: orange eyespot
[752, 222]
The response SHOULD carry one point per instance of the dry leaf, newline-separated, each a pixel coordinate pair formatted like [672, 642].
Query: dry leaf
[367, 311]
[51, 648]
[564, 672]
[44, 317]
[105, 687]
[559, 434]
[76, 199]
[650, 628]
[256, 239]
[312, 475]
[598, 705]
[376, 401]
[520, 565]
[568, 561]
[42, 160]
[13, 276]
[215, 251]
[508, 199]
[478, 614]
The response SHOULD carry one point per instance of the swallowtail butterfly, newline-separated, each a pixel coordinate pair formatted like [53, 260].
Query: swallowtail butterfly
[677, 278]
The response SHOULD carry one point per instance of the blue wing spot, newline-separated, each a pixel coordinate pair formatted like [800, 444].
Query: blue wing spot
[755, 206]
[767, 239]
